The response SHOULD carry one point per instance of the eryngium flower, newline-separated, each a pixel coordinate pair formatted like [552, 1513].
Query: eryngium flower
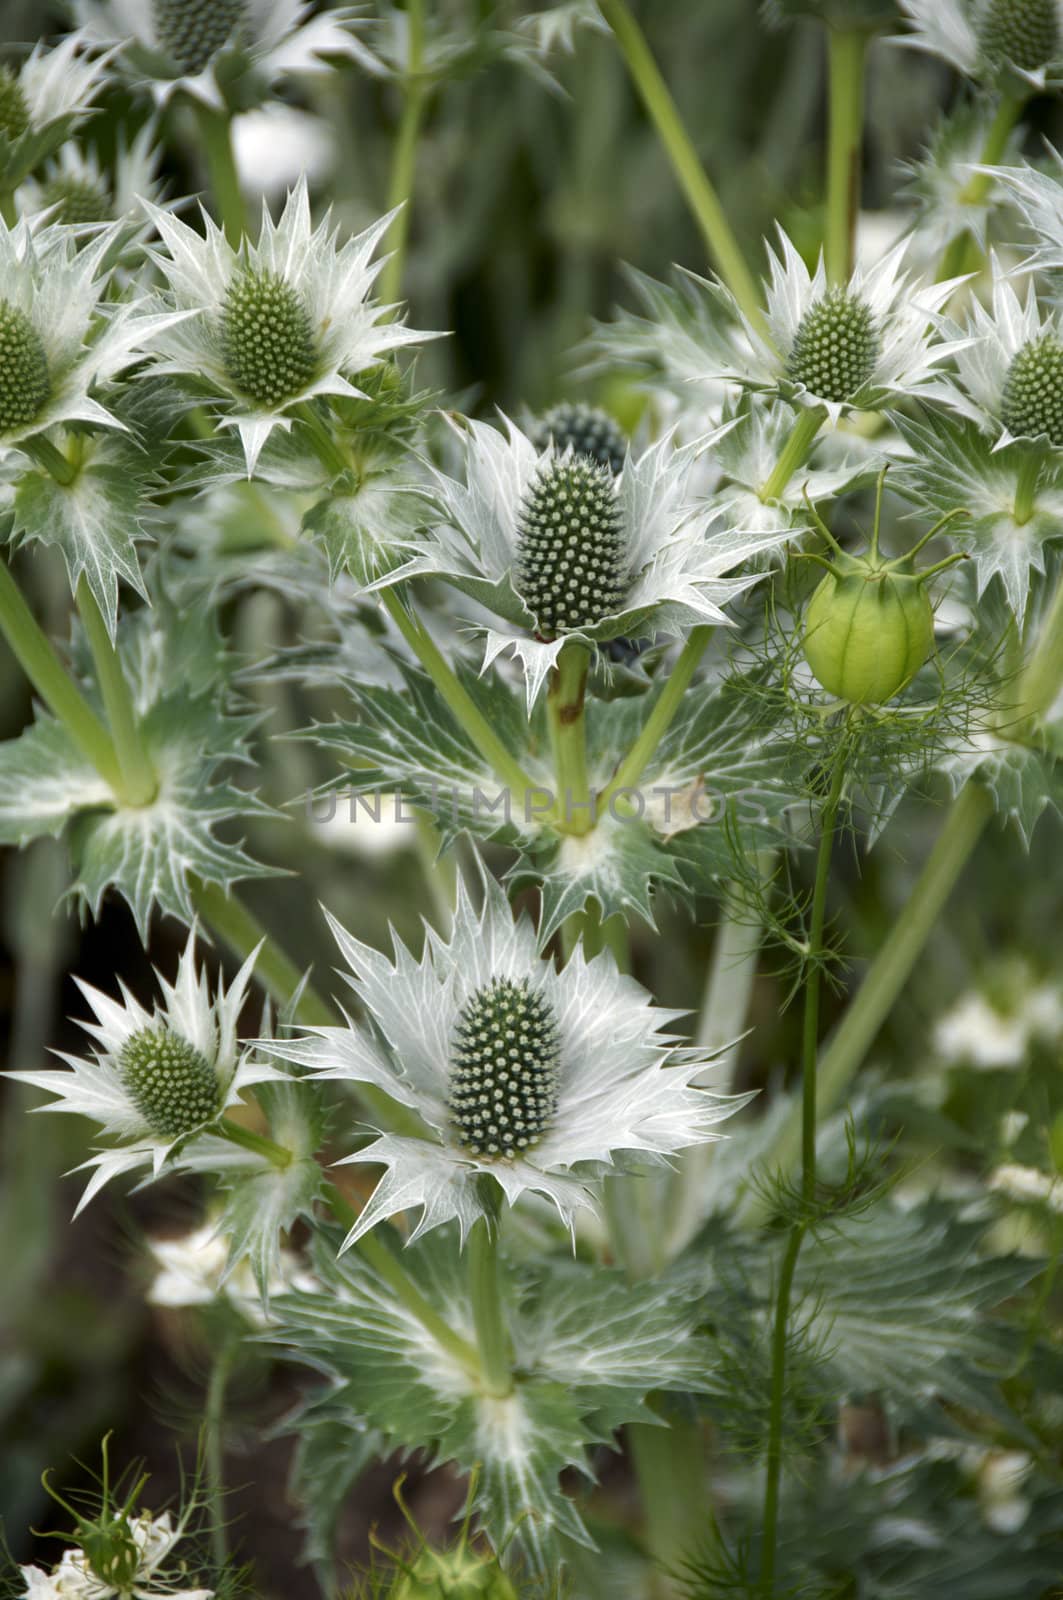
[1010, 375]
[42, 103]
[208, 47]
[155, 1079]
[989, 38]
[850, 347]
[545, 1080]
[78, 190]
[276, 323]
[558, 548]
[586, 430]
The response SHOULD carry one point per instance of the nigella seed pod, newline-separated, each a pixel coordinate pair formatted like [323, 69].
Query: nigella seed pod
[1023, 32]
[1032, 399]
[172, 1085]
[586, 430]
[192, 31]
[503, 1080]
[25, 383]
[14, 112]
[868, 632]
[570, 548]
[267, 337]
[835, 348]
[462, 1576]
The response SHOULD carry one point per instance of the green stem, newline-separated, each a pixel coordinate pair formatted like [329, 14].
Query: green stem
[814, 981]
[257, 1143]
[457, 698]
[568, 739]
[485, 1296]
[403, 166]
[773, 1467]
[975, 192]
[847, 50]
[660, 718]
[1042, 678]
[51, 458]
[795, 452]
[215, 137]
[139, 782]
[670, 1466]
[8, 208]
[214, 1451]
[328, 451]
[701, 196]
[1026, 485]
[42, 666]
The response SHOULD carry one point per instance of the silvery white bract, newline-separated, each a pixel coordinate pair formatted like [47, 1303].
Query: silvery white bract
[745, 459]
[78, 190]
[982, 38]
[155, 1078]
[154, 1539]
[677, 547]
[1011, 372]
[45, 100]
[847, 349]
[940, 185]
[194, 45]
[620, 1086]
[1038, 197]
[312, 325]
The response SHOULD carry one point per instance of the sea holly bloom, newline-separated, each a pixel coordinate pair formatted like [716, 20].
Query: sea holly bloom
[275, 324]
[42, 103]
[1011, 371]
[586, 430]
[77, 190]
[987, 38]
[939, 184]
[543, 1080]
[560, 549]
[156, 1078]
[216, 50]
[850, 347]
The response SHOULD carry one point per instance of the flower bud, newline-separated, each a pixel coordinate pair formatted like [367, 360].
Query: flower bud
[868, 630]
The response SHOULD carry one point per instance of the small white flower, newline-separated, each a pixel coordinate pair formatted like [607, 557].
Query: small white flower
[193, 1271]
[848, 348]
[157, 1078]
[984, 38]
[146, 1544]
[1028, 1185]
[205, 46]
[997, 1028]
[278, 323]
[42, 104]
[537, 1078]
[276, 145]
[558, 549]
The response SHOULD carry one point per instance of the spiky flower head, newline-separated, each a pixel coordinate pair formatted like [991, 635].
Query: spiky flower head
[586, 430]
[1023, 32]
[219, 50]
[543, 1080]
[847, 347]
[278, 323]
[1032, 401]
[25, 384]
[991, 39]
[559, 549]
[155, 1079]
[14, 112]
[77, 189]
[43, 102]
[1009, 375]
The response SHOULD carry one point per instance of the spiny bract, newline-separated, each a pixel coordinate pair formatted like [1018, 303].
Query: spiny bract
[77, 200]
[267, 337]
[1024, 32]
[1032, 402]
[503, 1080]
[192, 31]
[587, 429]
[835, 347]
[24, 380]
[571, 547]
[172, 1085]
[14, 112]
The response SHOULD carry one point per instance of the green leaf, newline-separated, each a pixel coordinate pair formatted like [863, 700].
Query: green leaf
[333, 1451]
[366, 525]
[44, 782]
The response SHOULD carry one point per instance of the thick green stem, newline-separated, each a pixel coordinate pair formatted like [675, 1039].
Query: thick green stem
[1026, 485]
[485, 1298]
[795, 452]
[814, 981]
[700, 194]
[43, 668]
[847, 57]
[671, 1469]
[460, 703]
[773, 1466]
[214, 1452]
[659, 720]
[215, 137]
[975, 192]
[139, 783]
[257, 1143]
[51, 458]
[568, 739]
[403, 166]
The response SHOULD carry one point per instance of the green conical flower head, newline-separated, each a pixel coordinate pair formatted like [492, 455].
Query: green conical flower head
[25, 383]
[588, 430]
[1032, 402]
[504, 1066]
[571, 548]
[192, 31]
[172, 1085]
[267, 337]
[14, 112]
[835, 347]
[1024, 32]
[78, 200]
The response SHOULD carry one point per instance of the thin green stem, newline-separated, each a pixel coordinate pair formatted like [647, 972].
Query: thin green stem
[51, 458]
[215, 137]
[773, 1467]
[457, 698]
[404, 159]
[701, 196]
[1027, 484]
[485, 1298]
[139, 782]
[814, 981]
[795, 452]
[847, 51]
[660, 719]
[568, 739]
[257, 1143]
[214, 1451]
[975, 192]
[328, 451]
[34, 653]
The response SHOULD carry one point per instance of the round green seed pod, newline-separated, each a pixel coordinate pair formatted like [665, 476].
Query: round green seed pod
[867, 632]
[458, 1575]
